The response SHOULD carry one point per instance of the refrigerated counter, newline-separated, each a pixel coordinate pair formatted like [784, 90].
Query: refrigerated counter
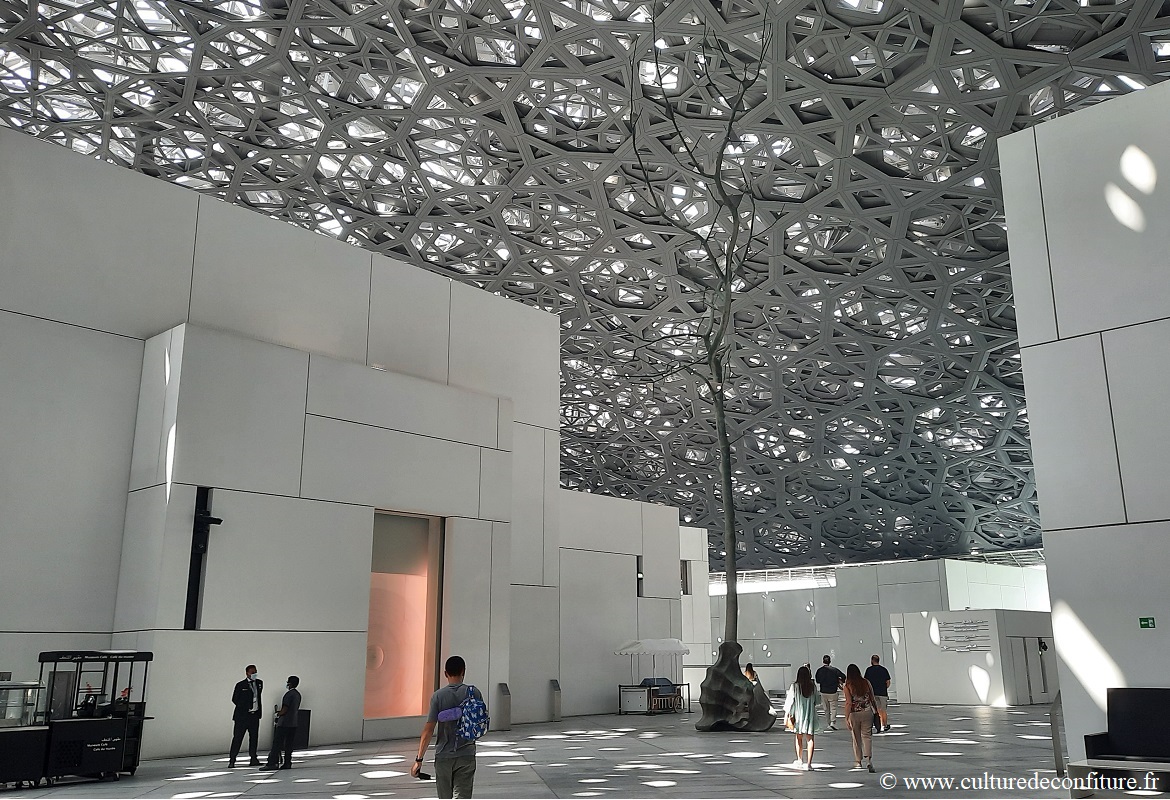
[24, 735]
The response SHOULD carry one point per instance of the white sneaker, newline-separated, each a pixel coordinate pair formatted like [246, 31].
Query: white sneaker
[807, 767]
[797, 764]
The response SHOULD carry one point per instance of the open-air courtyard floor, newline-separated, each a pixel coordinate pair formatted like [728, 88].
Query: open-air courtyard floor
[640, 756]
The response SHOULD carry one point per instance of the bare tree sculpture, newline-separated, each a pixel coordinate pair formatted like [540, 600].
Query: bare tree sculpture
[690, 116]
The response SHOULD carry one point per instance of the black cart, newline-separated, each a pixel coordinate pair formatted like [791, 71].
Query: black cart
[95, 711]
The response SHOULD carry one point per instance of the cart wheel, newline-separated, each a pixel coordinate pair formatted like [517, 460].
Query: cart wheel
[133, 769]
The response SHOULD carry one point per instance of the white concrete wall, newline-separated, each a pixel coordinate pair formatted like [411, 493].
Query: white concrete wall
[696, 607]
[536, 651]
[970, 584]
[310, 383]
[933, 671]
[68, 396]
[868, 595]
[301, 450]
[601, 538]
[1086, 195]
[947, 676]
[265, 393]
[92, 245]
[158, 255]
[1032, 625]
[568, 632]
[599, 613]
[330, 664]
[782, 627]
[862, 614]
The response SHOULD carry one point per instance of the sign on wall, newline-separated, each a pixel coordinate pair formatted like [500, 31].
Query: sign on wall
[969, 635]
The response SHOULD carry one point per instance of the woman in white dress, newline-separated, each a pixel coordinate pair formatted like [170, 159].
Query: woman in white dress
[800, 716]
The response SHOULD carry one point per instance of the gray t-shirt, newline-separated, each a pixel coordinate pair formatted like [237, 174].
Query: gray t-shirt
[292, 704]
[449, 696]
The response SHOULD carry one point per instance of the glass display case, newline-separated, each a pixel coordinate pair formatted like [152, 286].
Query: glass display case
[22, 703]
[24, 736]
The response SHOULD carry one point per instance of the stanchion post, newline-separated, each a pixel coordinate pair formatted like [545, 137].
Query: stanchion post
[502, 717]
[555, 700]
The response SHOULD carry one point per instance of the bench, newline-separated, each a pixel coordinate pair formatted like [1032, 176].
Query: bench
[1135, 748]
[1137, 727]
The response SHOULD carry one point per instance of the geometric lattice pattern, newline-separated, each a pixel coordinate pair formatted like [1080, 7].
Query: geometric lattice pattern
[878, 405]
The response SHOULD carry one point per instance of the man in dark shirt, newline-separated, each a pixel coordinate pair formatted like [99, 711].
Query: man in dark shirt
[246, 697]
[879, 678]
[829, 680]
[286, 727]
[454, 760]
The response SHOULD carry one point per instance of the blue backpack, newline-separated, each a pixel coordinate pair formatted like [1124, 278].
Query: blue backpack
[473, 718]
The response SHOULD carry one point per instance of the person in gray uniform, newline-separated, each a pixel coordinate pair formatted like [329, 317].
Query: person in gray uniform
[286, 727]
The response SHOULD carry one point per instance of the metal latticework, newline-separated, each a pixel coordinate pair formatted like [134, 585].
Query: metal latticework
[878, 403]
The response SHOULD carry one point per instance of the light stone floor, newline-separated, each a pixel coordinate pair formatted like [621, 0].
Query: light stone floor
[634, 756]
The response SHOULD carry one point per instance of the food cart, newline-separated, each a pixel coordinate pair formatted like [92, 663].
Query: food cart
[656, 693]
[94, 710]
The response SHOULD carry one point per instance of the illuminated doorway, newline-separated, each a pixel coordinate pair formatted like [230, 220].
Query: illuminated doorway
[402, 643]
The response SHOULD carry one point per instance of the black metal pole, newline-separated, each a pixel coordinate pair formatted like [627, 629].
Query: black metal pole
[200, 539]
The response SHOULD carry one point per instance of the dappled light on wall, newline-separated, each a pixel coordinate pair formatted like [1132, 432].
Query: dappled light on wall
[1138, 168]
[1080, 651]
[1139, 174]
[980, 681]
[170, 454]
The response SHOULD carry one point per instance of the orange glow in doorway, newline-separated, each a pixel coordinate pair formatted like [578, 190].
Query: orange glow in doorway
[396, 645]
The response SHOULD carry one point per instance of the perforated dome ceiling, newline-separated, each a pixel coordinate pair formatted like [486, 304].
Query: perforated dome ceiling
[878, 402]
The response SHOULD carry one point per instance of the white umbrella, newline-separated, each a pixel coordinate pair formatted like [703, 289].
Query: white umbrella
[652, 648]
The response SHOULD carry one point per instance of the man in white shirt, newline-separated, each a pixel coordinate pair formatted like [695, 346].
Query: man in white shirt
[246, 697]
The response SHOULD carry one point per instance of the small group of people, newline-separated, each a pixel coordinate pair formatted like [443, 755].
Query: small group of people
[866, 698]
[454, 757]
[247, 697]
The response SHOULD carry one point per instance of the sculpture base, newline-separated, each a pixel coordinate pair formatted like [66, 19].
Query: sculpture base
[731, 702]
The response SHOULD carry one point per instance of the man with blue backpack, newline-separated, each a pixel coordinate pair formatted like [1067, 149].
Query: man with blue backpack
[459, 712]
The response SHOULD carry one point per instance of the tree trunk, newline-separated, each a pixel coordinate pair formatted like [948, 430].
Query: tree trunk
[731, 617]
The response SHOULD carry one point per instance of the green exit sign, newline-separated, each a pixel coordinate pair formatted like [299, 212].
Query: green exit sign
[1145, 622]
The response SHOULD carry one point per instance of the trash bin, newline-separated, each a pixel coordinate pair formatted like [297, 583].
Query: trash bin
[301, 739]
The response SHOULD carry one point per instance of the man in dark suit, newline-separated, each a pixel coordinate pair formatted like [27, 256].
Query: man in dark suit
[246, 697]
